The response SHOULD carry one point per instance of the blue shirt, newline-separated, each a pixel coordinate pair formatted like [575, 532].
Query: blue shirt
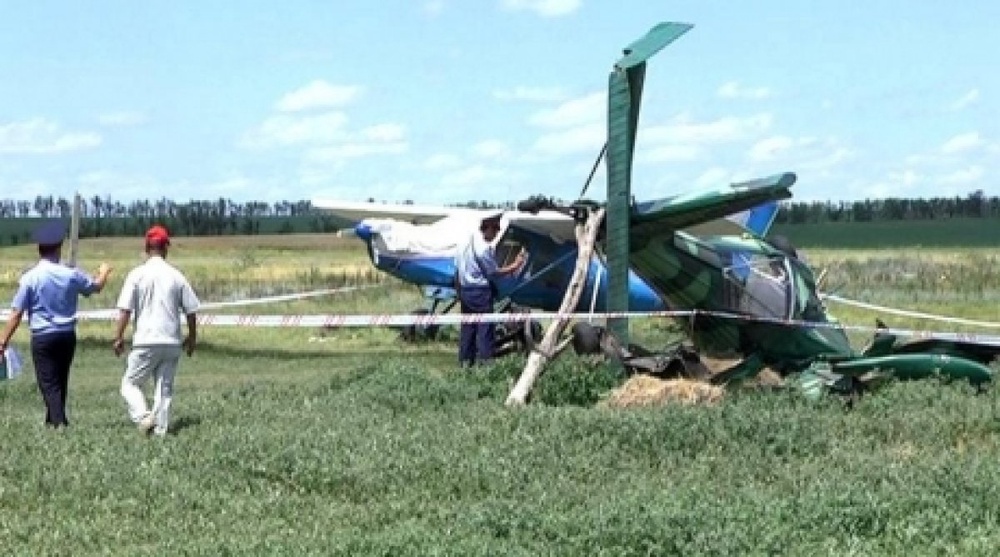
[48, 293]
[476, 262]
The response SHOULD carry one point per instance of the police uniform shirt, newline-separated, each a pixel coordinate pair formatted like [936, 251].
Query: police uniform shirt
[476, 262]
[48, 293]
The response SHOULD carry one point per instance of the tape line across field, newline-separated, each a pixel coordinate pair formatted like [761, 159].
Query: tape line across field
[421, 320]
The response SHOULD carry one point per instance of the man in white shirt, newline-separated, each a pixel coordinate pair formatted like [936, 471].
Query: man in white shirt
[475, 266]
[157, 295]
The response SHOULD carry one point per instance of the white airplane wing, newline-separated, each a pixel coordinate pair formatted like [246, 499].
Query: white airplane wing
[357, 211]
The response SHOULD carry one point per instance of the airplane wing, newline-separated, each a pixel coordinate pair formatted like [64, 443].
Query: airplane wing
[357, 211]
[688, 211]
[733, 210]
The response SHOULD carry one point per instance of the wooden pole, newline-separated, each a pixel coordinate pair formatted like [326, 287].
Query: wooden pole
[74, 231]
[586, 236]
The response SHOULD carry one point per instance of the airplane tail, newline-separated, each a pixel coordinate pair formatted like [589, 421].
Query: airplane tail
[758, 219]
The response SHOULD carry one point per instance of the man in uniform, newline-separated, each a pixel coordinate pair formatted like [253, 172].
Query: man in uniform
[475, 267]
[157, 294]
[49, 293]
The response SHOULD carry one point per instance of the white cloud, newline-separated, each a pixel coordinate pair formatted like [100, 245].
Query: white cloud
[531, 94]
[769, 148]
[583, 129]
[713, 177]
[905, 178]
[42, 136]
[469, 176]
[817, 156]
[286, 130]
[433, 7]
[544, 8]
[352, 150]
[385, 133]
[574, 112]
[586, 138]
[728, 128]
[476, 181]
[733, 90]
[122, 118]
[491, 149]
[968, 99]
[672, 153]
[964, 176]
[826, 156]
[961, 143]
[442, 161]
[125, 185]
[318, 95]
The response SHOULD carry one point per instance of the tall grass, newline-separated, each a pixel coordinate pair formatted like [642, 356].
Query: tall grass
[304, 441]
[326, 451]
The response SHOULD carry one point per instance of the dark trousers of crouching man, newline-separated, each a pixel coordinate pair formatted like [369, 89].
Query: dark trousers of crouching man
[475, 342]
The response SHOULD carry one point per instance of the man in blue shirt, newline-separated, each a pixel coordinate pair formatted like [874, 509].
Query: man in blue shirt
[48, 292]
[475, 266]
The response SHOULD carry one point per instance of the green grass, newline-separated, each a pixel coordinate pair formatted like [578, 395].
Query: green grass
[331, 448]
[345, 442]
[942, 233]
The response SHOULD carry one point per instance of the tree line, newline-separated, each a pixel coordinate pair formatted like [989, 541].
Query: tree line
[975, 205]
[105, 216]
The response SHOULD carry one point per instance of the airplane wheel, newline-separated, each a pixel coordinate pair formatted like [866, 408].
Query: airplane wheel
[416, 333]
[531, 335]
[586, 339]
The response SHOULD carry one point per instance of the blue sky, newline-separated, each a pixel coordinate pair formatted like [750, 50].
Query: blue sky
[439, 101]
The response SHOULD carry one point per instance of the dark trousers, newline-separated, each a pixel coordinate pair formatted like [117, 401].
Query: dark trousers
[475, 340]
[53, 356]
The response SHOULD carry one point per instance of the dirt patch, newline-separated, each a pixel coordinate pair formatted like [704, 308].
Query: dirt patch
[646, 390]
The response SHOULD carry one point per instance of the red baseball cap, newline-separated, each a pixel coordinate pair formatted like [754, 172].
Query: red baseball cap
[158, 235]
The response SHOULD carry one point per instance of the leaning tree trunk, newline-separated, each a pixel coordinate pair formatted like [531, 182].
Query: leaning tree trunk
[586, 235]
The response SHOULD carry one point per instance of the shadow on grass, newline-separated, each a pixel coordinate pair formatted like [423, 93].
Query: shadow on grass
[250, 351]
[182, 423]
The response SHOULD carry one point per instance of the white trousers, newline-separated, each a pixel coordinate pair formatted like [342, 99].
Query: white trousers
[158, 362]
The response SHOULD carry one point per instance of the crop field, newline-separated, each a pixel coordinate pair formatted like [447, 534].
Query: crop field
[300, 441]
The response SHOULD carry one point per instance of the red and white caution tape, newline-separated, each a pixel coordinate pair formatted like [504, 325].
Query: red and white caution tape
[111, 313]
[912, 314]
[288, 297]
[423, 320]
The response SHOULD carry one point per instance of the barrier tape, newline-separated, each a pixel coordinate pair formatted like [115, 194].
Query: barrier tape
[913, 314]
[424, 320]
[113, 313]
[288, 297]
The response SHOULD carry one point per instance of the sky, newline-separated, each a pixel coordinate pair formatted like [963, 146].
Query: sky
[447, 101]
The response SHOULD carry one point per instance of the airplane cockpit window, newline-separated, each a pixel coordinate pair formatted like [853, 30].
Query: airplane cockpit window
[507, 250]
[549, 264]
[762, 286]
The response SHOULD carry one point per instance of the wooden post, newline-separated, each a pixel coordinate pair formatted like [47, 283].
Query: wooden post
[586, 236]
[74, 231]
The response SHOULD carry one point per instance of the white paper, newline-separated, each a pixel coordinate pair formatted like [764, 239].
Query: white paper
[12, 360]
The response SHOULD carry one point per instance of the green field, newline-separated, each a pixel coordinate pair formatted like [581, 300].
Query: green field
[943, 233]
[300, 441]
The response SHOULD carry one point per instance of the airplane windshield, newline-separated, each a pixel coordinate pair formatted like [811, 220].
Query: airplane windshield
[761, 286]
